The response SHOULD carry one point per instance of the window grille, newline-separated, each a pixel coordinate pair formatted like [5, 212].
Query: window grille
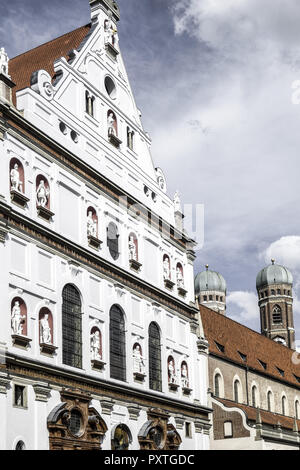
[155, 380]
[75, 422]
[117, 344]
[20, 445]
[72, 327]
[113, 240]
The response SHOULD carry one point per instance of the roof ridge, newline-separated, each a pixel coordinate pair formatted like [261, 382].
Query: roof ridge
[51, 40]
[247, 327]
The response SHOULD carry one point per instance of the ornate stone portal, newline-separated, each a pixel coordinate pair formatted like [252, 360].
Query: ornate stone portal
[74, 425]
[157, 434]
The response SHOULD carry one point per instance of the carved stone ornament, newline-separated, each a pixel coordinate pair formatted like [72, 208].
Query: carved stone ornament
[74, 425]
[161, 180]
[157, 434]
[41, 83]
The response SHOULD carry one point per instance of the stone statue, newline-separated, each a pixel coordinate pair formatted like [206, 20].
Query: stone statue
[91, 225]
[110, 32]
[184, 376]
[17, 319]
[110, 124]
[3, 61]
[95, 346]
[167, 272]
[16, 183]
[179, 277]
[45, 330]
[132, 249]
[172, 373]
[177, 202]
[138, 361]
[42, 194]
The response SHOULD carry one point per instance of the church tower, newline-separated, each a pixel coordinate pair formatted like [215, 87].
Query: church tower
[210, 290]
[274, 286]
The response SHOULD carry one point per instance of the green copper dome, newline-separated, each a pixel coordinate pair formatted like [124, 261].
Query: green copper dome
[209, 281]
[273, 274]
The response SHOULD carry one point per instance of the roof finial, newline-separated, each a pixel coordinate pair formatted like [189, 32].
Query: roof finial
[207, 266]
[273, 261]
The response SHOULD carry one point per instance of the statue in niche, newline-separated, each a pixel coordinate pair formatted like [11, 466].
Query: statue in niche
[45, 330]
[91, 225]
[42, 194]
[184, 376]
[177, 202]
[17, 319]
[172, 372]
[16, 183]
[179, 277]
[167, 272]
[111, 120]
[138, 361]
[110, 32]
[95, 346]
[132, 249]
[3, 61]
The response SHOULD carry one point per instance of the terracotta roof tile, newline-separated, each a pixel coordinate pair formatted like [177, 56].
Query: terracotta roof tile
[267, 417]
[259, 349]
[44, 56]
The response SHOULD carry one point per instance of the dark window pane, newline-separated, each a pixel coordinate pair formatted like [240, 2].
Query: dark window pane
[72, 327]
[154, 358]
[117, 344]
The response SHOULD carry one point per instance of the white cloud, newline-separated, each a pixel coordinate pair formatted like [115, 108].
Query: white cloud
[285, 251]
[242, 306]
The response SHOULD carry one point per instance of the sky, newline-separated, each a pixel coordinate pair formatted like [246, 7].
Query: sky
[218, 84]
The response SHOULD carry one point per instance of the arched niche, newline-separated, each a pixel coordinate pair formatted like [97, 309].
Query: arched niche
[167, 267]
[121, 437]
[185, 380]
[42, 192]
[138, 362]
[96, 351]
[133, 248]
[46, 331]
[19, 317]
[172, 376]
[17, 179]
[112, 123]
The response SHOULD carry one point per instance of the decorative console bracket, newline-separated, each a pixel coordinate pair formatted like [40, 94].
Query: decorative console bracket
[135, 265]
[21, 341]
[173, 386]
[169, 284]
[99, 365]
[94, 242]
[44, 213]
[182, 292]
[48, 349]
[139, 376]
[18, 198]
[112, 51]
[114, 140]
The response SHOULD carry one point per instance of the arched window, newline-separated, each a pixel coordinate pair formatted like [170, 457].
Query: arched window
[283, 405]
[117, 344]
[20, 445]
[297, 409]
[155, 381]
[121, 437]
[218, 381]
[72, 327]
[277, 314]
[269, 400]
[113, 240]
[236, 390]
[254, 396]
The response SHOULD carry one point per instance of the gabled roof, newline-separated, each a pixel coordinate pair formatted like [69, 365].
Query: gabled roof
[267, 417]
[44, 56]
[237, 338]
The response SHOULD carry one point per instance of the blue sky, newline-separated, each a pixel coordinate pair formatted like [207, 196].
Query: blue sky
[213, 80]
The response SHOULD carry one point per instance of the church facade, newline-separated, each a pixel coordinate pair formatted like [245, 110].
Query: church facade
[99, 332]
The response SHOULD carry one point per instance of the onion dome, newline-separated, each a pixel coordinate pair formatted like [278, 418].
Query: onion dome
[209, 281]
[273, 274]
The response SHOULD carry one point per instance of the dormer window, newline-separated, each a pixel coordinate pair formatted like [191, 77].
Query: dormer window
[89, 103]
[220, 347]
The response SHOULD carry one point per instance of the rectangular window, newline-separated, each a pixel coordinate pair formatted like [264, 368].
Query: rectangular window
[20, 396]
[188, 430]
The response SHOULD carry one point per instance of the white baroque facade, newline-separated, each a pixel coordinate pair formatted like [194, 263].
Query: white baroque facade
[92, 320]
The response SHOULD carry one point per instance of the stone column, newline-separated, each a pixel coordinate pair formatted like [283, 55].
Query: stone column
[42, 394]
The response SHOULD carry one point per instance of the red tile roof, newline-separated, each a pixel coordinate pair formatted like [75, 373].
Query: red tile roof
[238, 338]
[267, 417]
[43, 57]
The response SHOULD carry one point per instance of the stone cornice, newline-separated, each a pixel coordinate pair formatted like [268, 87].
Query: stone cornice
[77, 253]
[12, 120]
[57, 376]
